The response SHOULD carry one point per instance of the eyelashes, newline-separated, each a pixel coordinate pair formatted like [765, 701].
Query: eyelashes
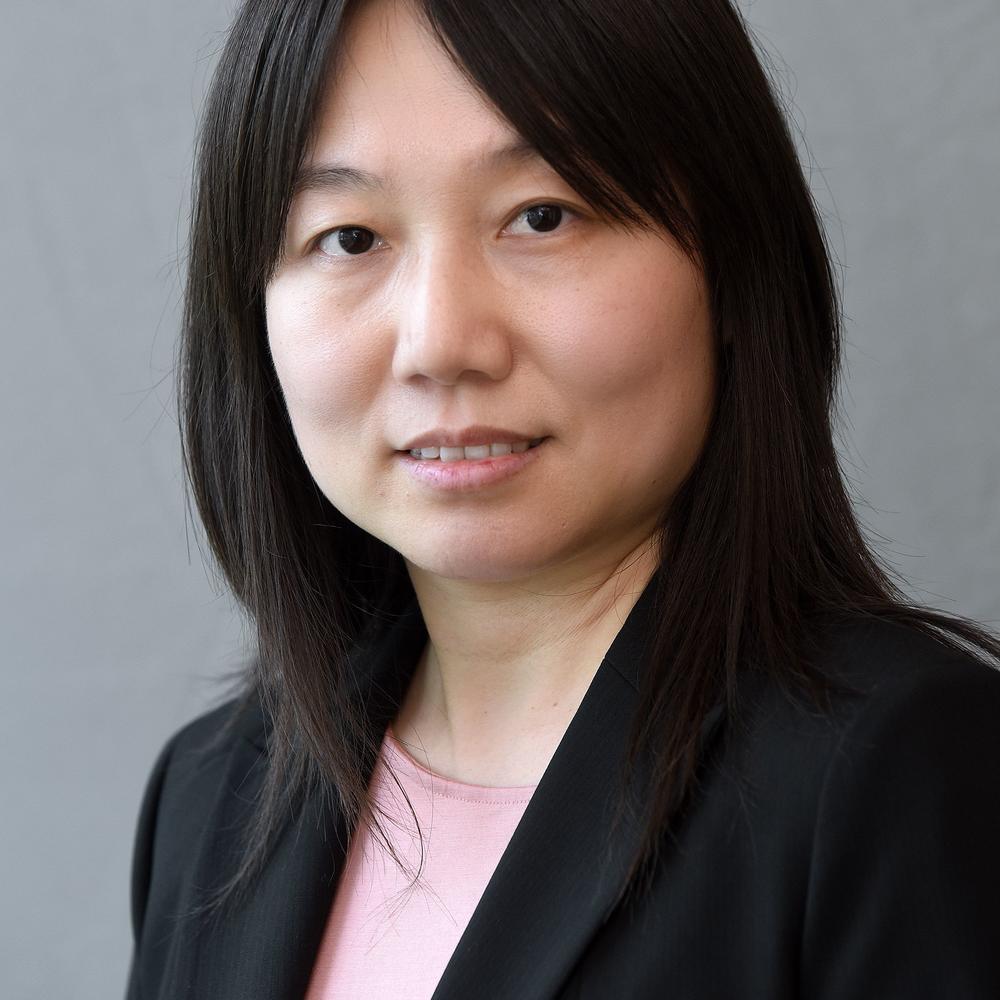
[353, 241]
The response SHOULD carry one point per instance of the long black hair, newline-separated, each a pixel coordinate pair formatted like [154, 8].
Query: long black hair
[659, 113]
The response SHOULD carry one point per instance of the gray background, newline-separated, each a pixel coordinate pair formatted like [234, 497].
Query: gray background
[112, 628]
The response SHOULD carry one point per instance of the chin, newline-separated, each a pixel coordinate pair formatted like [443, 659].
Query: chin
[475, 563]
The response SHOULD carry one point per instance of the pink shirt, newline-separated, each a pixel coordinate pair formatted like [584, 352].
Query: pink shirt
[383, 940]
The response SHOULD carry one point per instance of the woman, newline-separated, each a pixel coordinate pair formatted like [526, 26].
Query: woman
[507, 375]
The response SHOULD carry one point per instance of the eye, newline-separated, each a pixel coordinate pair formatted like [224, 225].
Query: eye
[544, 217]
[356, 241]
[346, 241]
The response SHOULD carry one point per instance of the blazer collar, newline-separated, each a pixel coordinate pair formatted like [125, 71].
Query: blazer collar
[551, 890]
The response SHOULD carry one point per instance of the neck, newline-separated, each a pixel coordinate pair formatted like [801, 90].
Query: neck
[507, 664]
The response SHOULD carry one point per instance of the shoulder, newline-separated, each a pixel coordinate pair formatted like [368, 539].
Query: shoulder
[915, 707]
[876, 817]
[908, 742]
[188, 770]
[920, 723]
[187, 776]
[916, 699]
[905, 819]
[889, 678]
[879, 653]
[191, 759]
[217, 729]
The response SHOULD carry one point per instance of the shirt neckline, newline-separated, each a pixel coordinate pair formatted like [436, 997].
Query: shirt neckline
[459, 789]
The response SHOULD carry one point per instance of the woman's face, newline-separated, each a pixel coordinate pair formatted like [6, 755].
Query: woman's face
[442, 296]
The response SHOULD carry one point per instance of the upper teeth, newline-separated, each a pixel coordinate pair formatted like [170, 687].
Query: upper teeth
[474, 451]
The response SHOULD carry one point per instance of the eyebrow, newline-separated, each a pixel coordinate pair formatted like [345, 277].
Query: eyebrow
[339, 177]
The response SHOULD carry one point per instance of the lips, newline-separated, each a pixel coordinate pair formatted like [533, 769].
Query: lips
[477, 452]
[465, 437]
[467, 475]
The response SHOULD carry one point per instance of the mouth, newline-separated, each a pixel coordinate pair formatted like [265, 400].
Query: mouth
[471, 453]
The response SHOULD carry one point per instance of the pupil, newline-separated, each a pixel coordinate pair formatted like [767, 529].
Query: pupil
[544, 218]
[355, 240]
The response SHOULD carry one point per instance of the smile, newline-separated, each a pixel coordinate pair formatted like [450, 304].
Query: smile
[475, 452]
[455, 470]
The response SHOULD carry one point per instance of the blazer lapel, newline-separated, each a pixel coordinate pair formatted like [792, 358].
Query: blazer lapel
[556, 883]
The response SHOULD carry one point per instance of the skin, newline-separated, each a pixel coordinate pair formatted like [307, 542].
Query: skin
[462, 313]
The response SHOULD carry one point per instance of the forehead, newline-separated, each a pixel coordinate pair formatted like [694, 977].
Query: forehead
[333, 177]
[396, 103]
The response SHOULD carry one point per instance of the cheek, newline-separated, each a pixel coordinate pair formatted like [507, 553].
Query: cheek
[327, 369]
[637, 343]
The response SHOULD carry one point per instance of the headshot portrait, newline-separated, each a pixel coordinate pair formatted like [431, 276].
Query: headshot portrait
[584, 439]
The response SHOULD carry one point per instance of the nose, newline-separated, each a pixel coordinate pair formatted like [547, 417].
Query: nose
[451, 323]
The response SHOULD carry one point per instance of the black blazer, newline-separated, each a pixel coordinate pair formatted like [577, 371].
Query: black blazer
[834, 856]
